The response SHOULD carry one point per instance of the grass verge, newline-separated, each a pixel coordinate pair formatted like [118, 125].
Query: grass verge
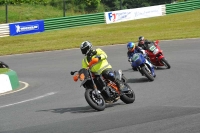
[3, 70]
[174, 26]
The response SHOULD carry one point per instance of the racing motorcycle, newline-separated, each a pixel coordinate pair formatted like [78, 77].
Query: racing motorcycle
[3, 65]
[156, 55]
[139, 62]
[99, 90]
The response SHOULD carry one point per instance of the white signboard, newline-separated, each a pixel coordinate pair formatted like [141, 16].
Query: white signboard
[118, 16]
[131, 14]
[147, 12]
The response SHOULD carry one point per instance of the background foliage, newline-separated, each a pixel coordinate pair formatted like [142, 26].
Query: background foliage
[93, 4]
[168, 27]
[27, 10]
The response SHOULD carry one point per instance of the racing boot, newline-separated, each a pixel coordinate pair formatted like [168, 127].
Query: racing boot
[153, 72]
[120, 85]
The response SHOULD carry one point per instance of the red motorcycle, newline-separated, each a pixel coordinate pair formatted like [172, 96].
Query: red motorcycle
[156, 55]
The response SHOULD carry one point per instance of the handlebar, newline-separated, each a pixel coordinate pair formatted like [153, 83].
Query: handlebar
[73, 72]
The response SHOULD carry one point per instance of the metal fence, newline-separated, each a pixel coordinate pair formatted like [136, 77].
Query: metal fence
[74, 21]
[182, 6]
[4, 30]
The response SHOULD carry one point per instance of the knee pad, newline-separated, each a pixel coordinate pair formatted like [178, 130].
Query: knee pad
[111, 75]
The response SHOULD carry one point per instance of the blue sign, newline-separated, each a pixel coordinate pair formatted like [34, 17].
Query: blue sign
[26, 27]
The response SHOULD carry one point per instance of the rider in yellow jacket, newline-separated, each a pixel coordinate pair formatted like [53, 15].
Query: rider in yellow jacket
[102, 66]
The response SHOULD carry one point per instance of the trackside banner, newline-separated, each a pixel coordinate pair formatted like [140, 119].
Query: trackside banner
[28, 27]
[131, 14]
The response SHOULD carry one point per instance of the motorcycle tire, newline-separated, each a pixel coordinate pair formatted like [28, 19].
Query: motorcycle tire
[97, 103]
[165, 62]
[129, 96]
[147, 74]
[3, 65]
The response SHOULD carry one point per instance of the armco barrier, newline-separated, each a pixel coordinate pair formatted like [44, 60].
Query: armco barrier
[73, 21]
[4, 30]
[182, 6]
[8, 81]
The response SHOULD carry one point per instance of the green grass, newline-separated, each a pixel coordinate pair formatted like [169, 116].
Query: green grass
[174, 26]
[3, 70]
[26, 12]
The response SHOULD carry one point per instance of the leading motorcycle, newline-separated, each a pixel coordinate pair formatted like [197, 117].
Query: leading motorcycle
[99, 90]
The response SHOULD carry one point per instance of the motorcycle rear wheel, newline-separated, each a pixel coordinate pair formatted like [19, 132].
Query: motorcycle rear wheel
[129, 96]
[97, 103]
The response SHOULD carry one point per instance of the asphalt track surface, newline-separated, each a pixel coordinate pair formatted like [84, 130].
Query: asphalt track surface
[54, 103]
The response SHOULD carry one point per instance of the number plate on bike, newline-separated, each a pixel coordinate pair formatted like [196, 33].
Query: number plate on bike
[152, 48]
[135, 57]
[155, 51]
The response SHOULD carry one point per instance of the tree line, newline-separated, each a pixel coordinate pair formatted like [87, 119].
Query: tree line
[92, 5]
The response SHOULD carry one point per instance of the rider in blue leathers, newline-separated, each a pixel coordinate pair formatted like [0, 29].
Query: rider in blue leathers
[132, 49]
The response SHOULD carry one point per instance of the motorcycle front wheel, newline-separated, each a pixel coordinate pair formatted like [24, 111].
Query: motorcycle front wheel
[147, 73]
[165, 62]
[96, 102]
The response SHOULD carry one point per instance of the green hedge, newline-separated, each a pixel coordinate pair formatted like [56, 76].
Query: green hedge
[25, 2]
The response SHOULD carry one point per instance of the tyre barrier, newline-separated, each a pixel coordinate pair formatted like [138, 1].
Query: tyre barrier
[8, 81]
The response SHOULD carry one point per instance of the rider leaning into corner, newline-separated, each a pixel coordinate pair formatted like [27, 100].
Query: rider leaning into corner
[132, 49]
[102, 66]
[143, 43]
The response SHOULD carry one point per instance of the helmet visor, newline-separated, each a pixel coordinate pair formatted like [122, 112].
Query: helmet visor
[85, 50]
[130, 48]
[141, 38]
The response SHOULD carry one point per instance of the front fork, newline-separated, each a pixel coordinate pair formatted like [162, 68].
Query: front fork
[151, 67]
[139, 69]
[159, 58]
[94, 86]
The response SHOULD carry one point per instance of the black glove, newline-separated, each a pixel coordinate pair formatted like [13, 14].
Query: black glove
[129, 60]
[98, 56]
